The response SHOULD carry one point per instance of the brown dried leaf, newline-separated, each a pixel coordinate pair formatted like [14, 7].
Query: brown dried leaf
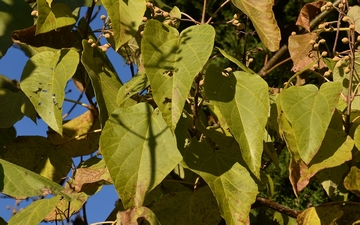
[308, 12]
[300, 49]
[90, 175]
[61, 38]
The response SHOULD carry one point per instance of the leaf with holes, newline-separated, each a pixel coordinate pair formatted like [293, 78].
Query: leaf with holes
[43, 81]
[171, 63]
[309, 112]
[261, 15]
[126, 17]
[139, 151]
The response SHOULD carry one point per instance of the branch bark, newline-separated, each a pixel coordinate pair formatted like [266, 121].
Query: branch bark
[276, 206]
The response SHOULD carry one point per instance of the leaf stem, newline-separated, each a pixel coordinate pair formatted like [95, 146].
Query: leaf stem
[203, 13]
[191, 19]
[216, 11]
[276, 206]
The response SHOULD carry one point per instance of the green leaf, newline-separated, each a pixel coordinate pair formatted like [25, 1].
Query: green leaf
[171, 63]
[35, 212]
[104, 80]
[309, 112]
[236, 61]
[138, 83]
[332, 181]
[262, 17]
[43, 81]
[139, 151]
[21, 183]
[7, 135]
[335, 150]
[126, 17]
[320, 215]
[37, 154]
[10, 107]
[230, 182]
[188, 207]
[243, 100]
[353, 13]
[351, 181]
[53, 16]
[14, 15]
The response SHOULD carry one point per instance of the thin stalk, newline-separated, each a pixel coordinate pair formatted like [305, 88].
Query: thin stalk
[203, 13]
[212, 16]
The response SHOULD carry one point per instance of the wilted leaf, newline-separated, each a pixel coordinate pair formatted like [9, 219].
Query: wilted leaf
[61, 38]
[21, 183]
[43, 81]
[126, 17]
[37, 154]
[300, 49]
[53, 16]
[78, 136]
[262, 16]
[139, 151]
[309, 112]
[35, 212]
[308, 12]
[171, 63]
[230, 182]
[14, 15]
[320, 215]
[188, 207]
[243, 100]
[104, 80]
[90, 174]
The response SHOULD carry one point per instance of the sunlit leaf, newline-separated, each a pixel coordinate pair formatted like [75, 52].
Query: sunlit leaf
[126, 16]
[230, 182]
[43, 81]
[35, 212]
[262, 16]
[53, 16]
[352, 182]
[21, 183]
[320, 215]
[172, 61]
[243, 100]
[353, 13]
[139, 151]
[335, 150]
[16, 16]
[309, 112]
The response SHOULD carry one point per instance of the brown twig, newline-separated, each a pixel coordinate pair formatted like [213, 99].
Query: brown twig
[276, 206]
[216, 11]
[203, 13]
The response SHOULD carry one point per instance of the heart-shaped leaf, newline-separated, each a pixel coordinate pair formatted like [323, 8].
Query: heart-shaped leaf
[172, 61]
[261, 15]
[243, 100]
[43, 81]
[139, 151]
[309, 112]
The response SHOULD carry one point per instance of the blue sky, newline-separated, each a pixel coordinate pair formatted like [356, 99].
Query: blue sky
[101, 204]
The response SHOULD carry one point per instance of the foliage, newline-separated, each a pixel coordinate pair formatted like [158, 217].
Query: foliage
[200, 134]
